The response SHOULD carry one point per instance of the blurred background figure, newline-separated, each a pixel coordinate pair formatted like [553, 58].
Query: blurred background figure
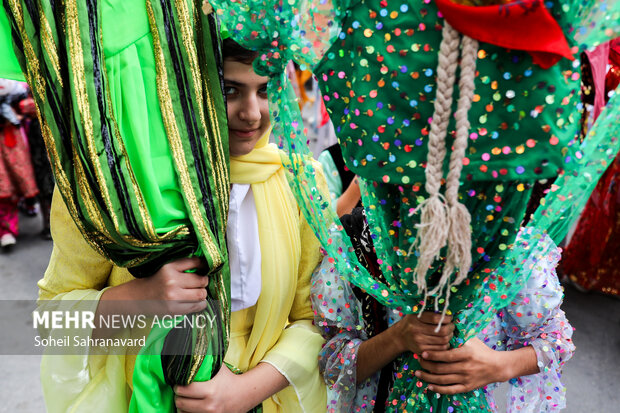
[40, 162]
[342, 183]
[591, 261]
[16, 173]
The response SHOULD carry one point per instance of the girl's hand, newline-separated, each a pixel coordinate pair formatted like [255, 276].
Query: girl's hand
[418, 334]
[222, 394]
[170, 291]
[173, 291]
[472, 366]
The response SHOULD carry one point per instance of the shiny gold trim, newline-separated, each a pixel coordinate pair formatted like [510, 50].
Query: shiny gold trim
[199, 353]
[65, 187]
[175, 142]
[220, 162]
[33, 67]
[48, 43]
[147, 220]
[79, 81]
[222, 185]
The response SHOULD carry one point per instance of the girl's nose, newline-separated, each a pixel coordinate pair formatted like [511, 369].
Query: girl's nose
[251, 110]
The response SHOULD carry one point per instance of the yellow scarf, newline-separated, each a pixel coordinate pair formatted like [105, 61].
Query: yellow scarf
[282, 333]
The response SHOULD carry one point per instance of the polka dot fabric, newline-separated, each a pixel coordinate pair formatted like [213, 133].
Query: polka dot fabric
[379, 77]
[379, 82]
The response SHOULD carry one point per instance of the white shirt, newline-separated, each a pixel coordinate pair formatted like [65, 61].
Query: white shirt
[243, 248]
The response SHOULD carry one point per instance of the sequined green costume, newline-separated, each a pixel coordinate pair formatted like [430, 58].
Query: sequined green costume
[378, 75]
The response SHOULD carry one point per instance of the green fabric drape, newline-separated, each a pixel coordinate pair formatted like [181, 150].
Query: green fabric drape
[128, 94]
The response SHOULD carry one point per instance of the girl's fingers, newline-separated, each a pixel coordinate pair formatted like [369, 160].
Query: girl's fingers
[188, 405]
[191, 280]
[449, 390]
[439, 379]
[184, 264]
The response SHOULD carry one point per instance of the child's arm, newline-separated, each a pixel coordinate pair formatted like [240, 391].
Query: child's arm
[230, 393]
[474, 365]
[537, 337]
[409, 334]
[349, 198]
[349, 361]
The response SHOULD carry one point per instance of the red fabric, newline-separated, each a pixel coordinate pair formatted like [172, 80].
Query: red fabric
[598, 59]
[9, 222]
[591, 259]
[324, 115]
[520, 25]
[10, 140]
[613, 76]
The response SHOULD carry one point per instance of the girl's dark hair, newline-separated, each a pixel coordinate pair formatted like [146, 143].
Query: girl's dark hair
[234, 51]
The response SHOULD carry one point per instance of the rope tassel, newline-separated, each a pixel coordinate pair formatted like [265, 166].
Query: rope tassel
[432, 236]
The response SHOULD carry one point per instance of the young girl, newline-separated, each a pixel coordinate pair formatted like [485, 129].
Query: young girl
[526, 343]
[272, 254]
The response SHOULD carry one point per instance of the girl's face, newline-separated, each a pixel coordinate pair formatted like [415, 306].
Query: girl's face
[248, 108]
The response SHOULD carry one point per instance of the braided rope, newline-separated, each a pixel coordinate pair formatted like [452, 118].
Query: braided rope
[444, 220]
[434, 225]
[459, 236]
[459, 231]
[446, 77]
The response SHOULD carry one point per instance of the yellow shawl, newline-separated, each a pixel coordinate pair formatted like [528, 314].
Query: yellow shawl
[281, 332]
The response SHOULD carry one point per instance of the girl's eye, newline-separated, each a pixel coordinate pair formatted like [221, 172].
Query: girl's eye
[230, 90]
[263, 91]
